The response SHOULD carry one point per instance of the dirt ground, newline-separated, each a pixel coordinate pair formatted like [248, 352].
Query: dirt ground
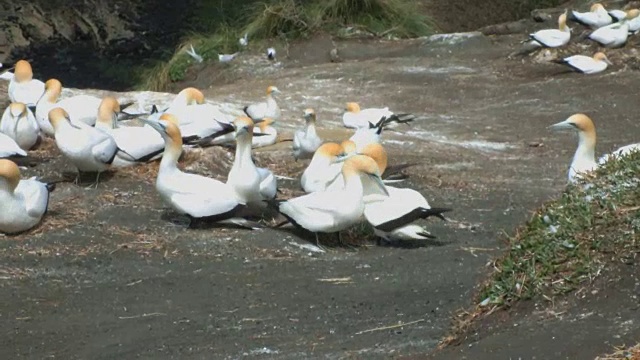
[113, 274]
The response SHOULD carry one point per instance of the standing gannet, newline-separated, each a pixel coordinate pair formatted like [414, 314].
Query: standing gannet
[357, 118]
[586, 64]
[23, 87]
[80, 108]
[334, 211]
[306, 140]
[9, 148]
[596, 17]
[23, 203]
[136, 144]
[20, 124]
[199, 197]
[552, 38]
[89, 149]
[584, 159]
[616, 34]
[244, 177]
[323, 168]
[264, 134]
[265, 109]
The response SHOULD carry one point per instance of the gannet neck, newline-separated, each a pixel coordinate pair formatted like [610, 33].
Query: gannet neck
[172, 152]
[271, 102]
[311, 129]
[243, 149]
[586, 148]
[353, 185]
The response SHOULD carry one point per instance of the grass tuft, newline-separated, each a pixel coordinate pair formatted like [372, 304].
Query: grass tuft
[623, 353]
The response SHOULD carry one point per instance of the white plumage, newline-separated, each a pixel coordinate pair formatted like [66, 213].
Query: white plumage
[265, 109]
[9, 148]
[552, 38]
[23, 88]
[306, 140]
[19, 123]
[587, 64]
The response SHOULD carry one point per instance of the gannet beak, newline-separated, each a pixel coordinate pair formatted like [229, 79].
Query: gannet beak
[563, 125]
[608, 62]
[343, 157]
[378, 181]
[155, 125]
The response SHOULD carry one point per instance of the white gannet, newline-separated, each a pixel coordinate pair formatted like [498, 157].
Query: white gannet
[357, 118]
[617, 15]
[80, 108]
[192, 52]
[89, 149]
[244, 41]
[244, 177]
[323, 168]
[552, 38]
[9, 148]
[265, 109]
[264, 133]
[225, 58]
[596, 17]
[393, 216]
[371, 134]
[199, 197]
[136, 144]
[23, 87]
[334, 211]
[23, 203]
[616, 34]
[584, 159]
[586, 64]
[20, 124]
[306, 140]
[271, 53]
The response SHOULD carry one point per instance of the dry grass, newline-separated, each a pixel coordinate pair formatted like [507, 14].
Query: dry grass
[623, 353]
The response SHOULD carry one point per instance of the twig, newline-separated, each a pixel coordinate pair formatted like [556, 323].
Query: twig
[389, 327]
[141, 316]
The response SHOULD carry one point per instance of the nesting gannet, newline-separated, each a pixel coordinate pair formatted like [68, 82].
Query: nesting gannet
[80, 108]
[224, 58]
[266, 133]
[244, 177]
[20, 124]
[265, 109]
[306, 140]
[334, 211]
[323, 168]
[23, 203]
[23, 87]
[271, 53]
[197, 196]
[584, 159]
[192, 52]
[596, 17]
[586, 64]
[617, 15]
[616, 34]
[88, 148]
[136, 144]
[357, 118]
[244, 41]
[9, 148]
[552, 38]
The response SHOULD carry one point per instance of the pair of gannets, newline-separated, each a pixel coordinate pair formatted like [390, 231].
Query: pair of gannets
[19, 123]
[23, 88]
[356, 118]
[616, 34]
[23, 203]
[584, 159]
[552, 38]
[596, 17]
[586, 64]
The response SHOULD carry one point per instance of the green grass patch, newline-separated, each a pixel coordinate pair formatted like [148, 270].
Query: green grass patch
[570, 241]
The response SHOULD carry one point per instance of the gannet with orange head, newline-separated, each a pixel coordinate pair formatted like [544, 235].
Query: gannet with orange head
[306, 140]
[265, 133]
[265, 109]
[23, 203]
[136, 144]
[552, 38]
[89, 149]
[23, 88]
[19, 123]
[616, 34]
[596, 17]
[334, 211]
[199, 197]
[584, 159]
[586, 64]
[323, 168]
[357, 118]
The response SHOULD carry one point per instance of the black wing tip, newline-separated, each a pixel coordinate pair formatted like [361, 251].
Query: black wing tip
[125, 105]
[154, 109]
[245, 110]
[437, 212]
[427, 235]
[51, 186]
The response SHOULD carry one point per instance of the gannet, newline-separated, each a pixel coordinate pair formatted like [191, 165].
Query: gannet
[586, 64]
[23, 203]
[80, 108]
[266, 109]
[616, 34]
[334, 211]
[224, 58]
[357, 118]
[266, 133]
[306, 140]
[9, 148]
[20, 124]
[617, 15]
[192, 52]
[199, 197]
[244, 41]
[323, 168]
[89, 149]
[371, 134]
[23, 87]
[595, 18]
[136, 144]
[584, 159]
[552, 38]
[244, 177]
[271, 53]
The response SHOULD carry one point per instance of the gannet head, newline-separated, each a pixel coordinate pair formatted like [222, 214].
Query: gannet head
[192, 96]
[329, 151]
[10, 173]
[352, 107]
[243, 125]
[600, 56]
[108, 111]
[595, 7]
[631, 14]
[18, 110]
[363, 165]
[167, 126]
[580, 123]
[562, 21]
[58, 117]
[265, 123]
[272, 90]
[378, 154]
[309, 114]
[53, 89]
[23, 71]
[348, 147]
